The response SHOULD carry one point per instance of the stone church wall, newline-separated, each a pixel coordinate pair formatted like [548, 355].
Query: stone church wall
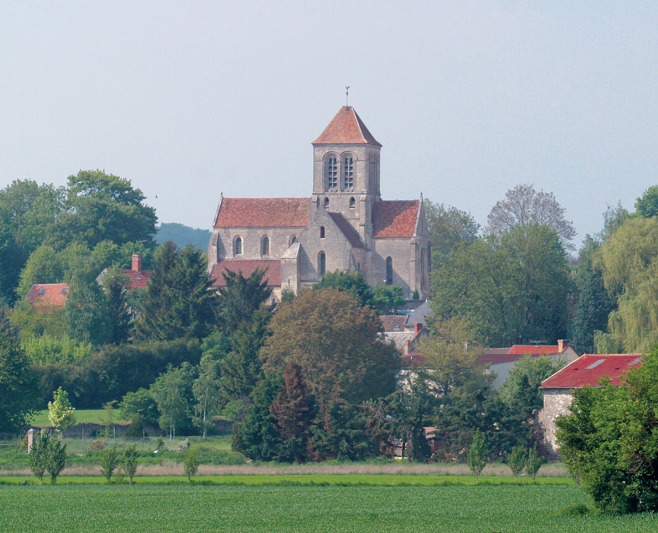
[252, 238]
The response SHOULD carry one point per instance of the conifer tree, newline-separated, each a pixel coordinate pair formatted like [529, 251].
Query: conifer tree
[293, 410]
[241, 297]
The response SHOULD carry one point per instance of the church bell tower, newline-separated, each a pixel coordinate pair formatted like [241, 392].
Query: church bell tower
[346, 171]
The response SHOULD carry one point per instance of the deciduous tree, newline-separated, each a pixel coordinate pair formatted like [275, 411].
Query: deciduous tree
[524, 206]
[335, 341]
[448, 227]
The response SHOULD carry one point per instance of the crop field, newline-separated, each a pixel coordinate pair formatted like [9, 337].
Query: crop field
[198, 508]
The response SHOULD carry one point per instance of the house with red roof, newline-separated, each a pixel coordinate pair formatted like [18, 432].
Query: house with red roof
[48, 297]
[344, 225]
[501, 360]
[138, 278]
[586, 371]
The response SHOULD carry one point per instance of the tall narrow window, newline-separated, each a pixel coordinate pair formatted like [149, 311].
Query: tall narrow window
[348, 174]
[352, 203]
[331, 174]
[322, 232]
[326, 202]
[389, 271]
[238, 246]
[266, 246]
[293, 240]
[322, 263]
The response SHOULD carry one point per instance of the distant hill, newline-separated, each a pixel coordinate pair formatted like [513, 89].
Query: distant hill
[182, 235]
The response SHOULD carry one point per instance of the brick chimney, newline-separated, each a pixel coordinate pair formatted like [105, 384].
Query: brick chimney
[137, 263]
[418, 326]
[561, 345]
[406, 348]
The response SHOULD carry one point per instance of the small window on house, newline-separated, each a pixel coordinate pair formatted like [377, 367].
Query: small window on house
[331, 174]
[389, 271]
[238, 246]
[63, 291]
[326, 202]
[322, 232]
[322, 263]
[265, 247]
[348, 173]
[352, 203]
[138, 278]
[42, 292]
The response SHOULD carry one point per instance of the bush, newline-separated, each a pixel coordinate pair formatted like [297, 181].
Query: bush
[96, 445]
[578, 509]
[609, 440]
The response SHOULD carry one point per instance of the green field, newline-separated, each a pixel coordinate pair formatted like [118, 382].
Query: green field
[303, 509]
[96, 416]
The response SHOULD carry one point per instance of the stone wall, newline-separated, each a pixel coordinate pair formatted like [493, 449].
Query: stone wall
[556, 403]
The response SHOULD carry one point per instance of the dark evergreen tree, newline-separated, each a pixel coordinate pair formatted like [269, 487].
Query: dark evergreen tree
[86, 308]
[116, 286]
[420, 448]
[177, 303]
[152, 323]
[242, 366]
[19, 397]
[345, 432]
[241, 298]
[591, 314]
[257, 437]
[293, 411]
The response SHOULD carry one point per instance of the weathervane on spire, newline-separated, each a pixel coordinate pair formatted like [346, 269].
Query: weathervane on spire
[347, 96]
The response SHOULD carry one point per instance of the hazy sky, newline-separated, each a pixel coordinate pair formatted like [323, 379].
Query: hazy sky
[469, 98]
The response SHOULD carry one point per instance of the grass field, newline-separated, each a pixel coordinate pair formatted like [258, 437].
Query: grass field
[87, 415]
[456, 509]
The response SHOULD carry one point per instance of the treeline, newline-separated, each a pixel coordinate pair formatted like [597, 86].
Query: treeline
[515, 282]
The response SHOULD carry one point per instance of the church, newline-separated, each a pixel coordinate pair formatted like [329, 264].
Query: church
[345, 225]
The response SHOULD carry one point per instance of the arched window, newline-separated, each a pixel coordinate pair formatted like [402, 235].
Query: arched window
[265, 246]
[322, 232]
[293, 239]
[322, 263]
[237, 247]
[326, 202]
[348, 173]
[389, 271]
[331, 174]
[352, 203]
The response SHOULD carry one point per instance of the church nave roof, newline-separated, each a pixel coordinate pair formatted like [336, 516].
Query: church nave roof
[262, 213]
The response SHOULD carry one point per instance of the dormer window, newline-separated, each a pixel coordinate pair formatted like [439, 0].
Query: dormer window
[348, 173]
[331, 174]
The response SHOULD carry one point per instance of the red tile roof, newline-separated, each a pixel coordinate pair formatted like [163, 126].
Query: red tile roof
[522, 349]
[496, 356]
[395, 219]
[391, 321]
[415, 358]
[262, 213]
[347, 229]
[588, 369]
[247, 267]
[138, 280]
[346, 128]
[46, 297]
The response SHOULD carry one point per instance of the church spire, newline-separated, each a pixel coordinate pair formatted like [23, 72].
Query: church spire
[346, 128]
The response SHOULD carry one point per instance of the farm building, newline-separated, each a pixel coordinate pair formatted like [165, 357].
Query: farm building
[586, 371]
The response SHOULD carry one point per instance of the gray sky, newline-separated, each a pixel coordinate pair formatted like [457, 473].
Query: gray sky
[469, 98]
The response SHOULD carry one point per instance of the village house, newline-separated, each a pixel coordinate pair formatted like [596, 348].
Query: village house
[500, 361]
[586, 371]
[48, 297]
[344, 225]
